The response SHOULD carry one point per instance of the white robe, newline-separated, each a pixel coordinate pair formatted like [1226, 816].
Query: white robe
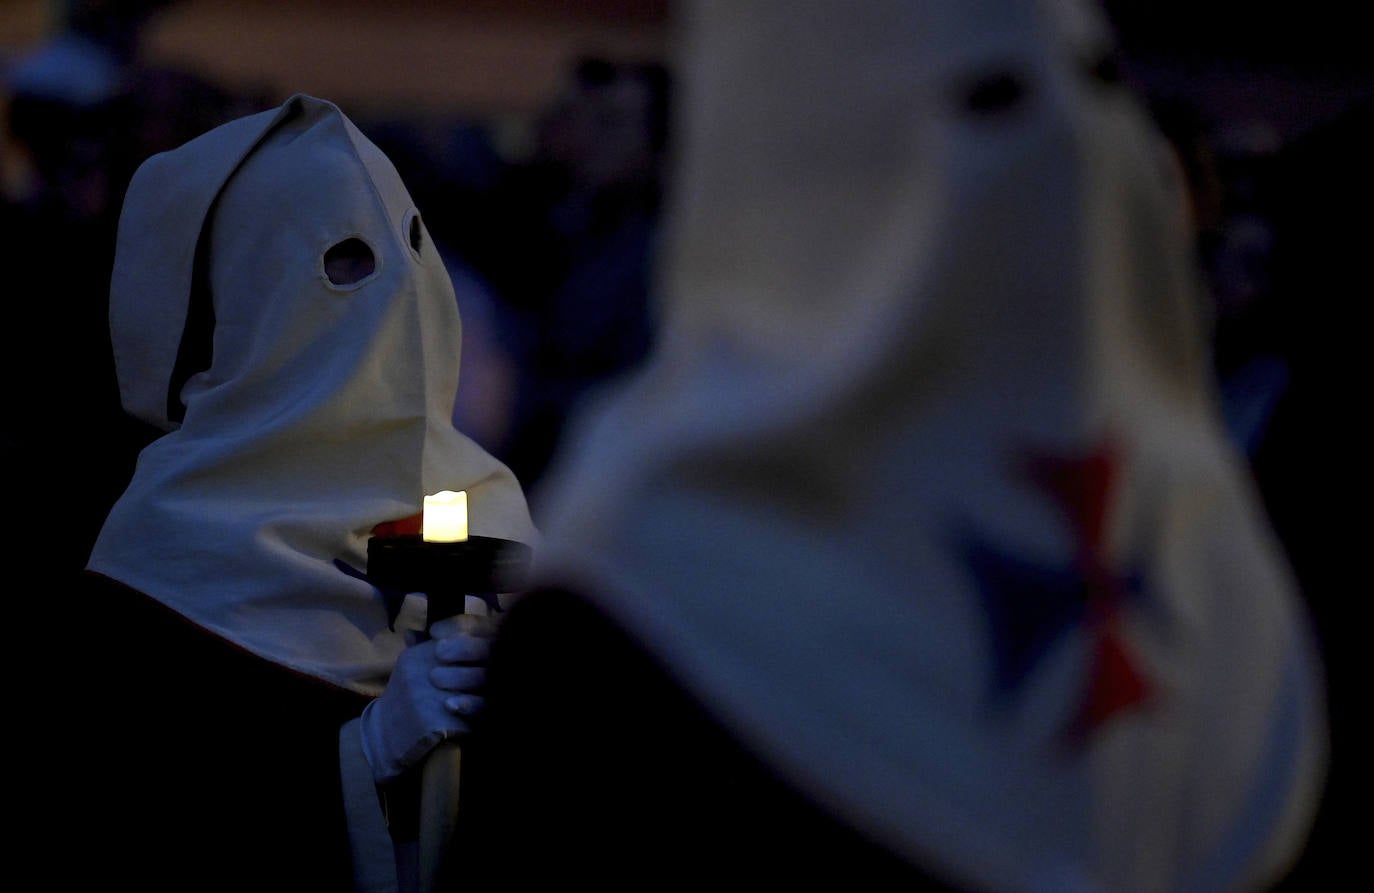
[925, 493]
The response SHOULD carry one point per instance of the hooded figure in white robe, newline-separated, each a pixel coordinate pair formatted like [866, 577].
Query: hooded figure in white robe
[279, 313]
[924, 504]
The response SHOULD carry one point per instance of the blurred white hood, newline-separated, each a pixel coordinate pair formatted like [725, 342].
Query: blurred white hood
[925, 493]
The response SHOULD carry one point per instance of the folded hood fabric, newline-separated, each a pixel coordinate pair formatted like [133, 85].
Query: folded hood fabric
[277, 307]
[925, 493]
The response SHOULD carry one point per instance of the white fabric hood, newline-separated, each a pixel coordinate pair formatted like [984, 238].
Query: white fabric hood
[925, 492]
[326, 407]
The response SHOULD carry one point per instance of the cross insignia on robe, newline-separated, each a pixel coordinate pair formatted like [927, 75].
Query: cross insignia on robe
[1032, 607]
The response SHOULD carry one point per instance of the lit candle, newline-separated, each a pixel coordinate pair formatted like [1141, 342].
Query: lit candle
[446, 517]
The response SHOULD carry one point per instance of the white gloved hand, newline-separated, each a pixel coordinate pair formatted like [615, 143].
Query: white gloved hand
[435, 685]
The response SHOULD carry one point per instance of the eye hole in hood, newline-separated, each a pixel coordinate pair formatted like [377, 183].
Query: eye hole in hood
[349, 262]
[993, 92]
[413, 230]
[417, 234]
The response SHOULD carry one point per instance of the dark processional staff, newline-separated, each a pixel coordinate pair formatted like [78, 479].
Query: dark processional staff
[449, 566]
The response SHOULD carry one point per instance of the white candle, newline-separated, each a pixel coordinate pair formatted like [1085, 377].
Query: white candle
[446, 517]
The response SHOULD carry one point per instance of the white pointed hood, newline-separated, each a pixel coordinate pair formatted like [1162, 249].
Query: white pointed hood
[925, 492]
[326, 406]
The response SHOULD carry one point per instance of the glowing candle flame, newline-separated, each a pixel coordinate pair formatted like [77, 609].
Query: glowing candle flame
[446, 517]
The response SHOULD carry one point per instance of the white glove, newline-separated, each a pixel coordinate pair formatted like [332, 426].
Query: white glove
[436, 684]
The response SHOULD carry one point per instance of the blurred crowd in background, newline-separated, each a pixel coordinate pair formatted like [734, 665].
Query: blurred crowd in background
[552, 249]
[552, 255]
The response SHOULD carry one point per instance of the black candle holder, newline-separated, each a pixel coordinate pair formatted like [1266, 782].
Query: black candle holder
[447, 572]
[422, 808]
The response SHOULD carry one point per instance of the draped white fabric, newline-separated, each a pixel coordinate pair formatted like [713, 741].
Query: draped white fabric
[925, 493]
[326, 408]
